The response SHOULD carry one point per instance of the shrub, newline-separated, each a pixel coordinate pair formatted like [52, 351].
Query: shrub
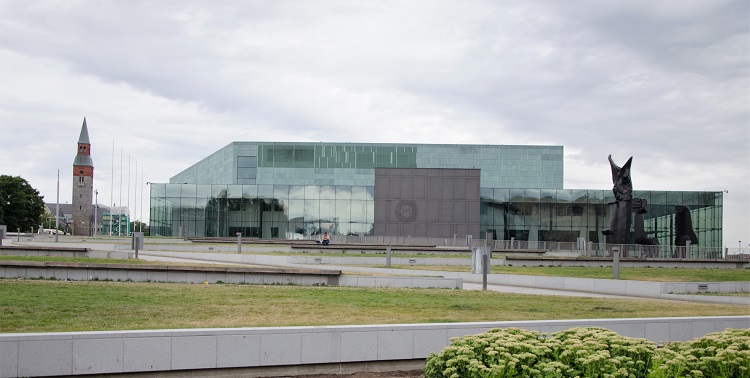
[723, 354]
[590, 352]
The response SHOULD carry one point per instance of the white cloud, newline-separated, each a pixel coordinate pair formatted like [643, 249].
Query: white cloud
[171, 82]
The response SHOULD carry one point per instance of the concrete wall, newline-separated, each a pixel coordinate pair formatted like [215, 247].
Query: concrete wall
[80, 353]
[261, 276]
[64, 252]
[154, 273]
[401, 282]
[630, 263]
[381, 260]
[643, 289]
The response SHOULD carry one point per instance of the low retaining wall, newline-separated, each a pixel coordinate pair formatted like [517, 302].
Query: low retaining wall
[401, 282]
[167, 273]
[381, 261]
[645, 289]
[629, 262]
[63, 252]
[81, 353]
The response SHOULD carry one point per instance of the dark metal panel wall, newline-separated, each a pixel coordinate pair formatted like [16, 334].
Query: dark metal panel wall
[426, 202]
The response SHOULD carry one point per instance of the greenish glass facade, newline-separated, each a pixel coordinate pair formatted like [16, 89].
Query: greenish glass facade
[293, 190]
[565, 215]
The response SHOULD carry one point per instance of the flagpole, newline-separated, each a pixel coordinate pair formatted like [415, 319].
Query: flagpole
[119, 224]
[112, 188]
[57, 209]
[128, 233]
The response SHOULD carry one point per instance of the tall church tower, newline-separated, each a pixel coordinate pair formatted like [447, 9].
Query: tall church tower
[83, 185]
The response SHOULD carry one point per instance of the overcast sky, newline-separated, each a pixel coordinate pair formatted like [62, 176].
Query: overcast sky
[170, 82]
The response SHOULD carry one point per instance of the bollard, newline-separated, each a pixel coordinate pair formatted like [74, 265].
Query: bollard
[19, 235]
[616, 263]
[388, 256]
[136, 242]
[239, 243]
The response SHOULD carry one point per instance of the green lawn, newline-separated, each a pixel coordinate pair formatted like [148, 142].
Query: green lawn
[641, 274]
[56, 306]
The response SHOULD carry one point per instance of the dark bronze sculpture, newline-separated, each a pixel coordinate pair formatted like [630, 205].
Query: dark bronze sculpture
[650, 248]
[619, 227]
[624, 206]
[683, 225]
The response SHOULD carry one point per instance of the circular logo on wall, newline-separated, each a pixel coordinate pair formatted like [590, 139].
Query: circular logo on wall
[406, 211]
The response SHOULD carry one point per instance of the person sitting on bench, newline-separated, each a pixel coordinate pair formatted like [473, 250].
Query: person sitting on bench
[326, 239]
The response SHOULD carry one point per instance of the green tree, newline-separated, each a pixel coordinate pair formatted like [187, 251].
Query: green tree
[21, 206]
[137, 226]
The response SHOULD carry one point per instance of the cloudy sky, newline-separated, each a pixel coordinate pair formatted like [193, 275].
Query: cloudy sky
[169, 82]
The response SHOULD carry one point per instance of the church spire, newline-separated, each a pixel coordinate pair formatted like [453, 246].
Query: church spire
[83, 157]
[84, 138]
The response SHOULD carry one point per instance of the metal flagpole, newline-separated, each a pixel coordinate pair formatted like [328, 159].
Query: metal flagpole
[112, 188]
[119, 224]
[57, 209]
[135, 194]
[128, 233]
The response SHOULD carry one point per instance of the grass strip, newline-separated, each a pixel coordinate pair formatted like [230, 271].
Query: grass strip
[59, 306]
[638, 274]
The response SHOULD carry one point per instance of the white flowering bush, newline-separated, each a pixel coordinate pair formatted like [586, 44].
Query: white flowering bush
[589, 352]
[597, 352]
[722, 354]
[584, 352]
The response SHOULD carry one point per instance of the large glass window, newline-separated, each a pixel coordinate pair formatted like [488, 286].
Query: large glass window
[297, 192]
[343, 193]
[343, 210]
[296, 211]
[247, 161]
[327, 193]
[247, 173]
[327, 210]
[359, 211]
[312, 192]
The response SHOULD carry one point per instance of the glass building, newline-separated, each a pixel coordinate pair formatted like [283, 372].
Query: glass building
[296, 190]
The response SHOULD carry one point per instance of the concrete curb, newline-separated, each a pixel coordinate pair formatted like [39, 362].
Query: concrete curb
[78, 353]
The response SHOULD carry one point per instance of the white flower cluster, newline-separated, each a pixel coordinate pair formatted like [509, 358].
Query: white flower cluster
[589, 352]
